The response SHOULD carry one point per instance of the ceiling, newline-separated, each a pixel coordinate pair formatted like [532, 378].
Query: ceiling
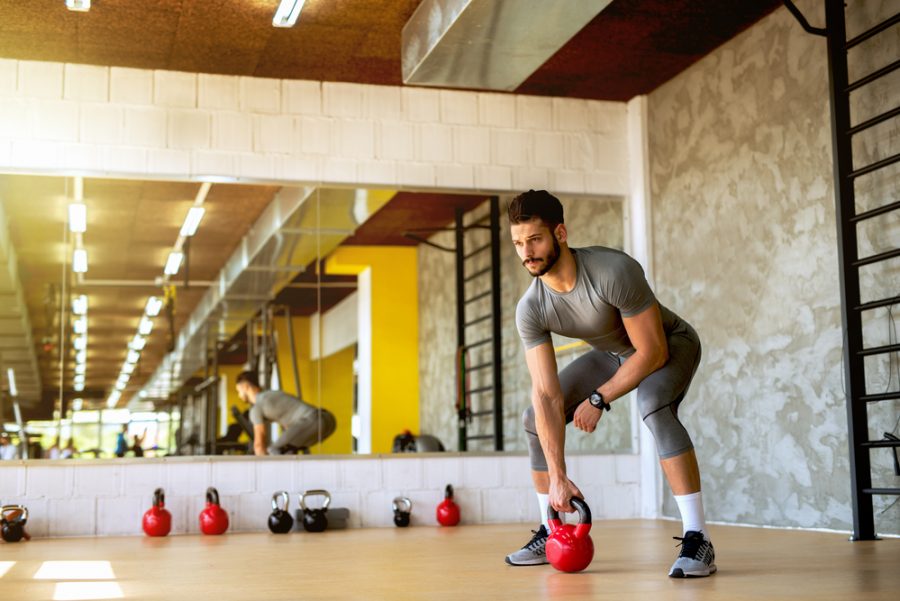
[630, 48]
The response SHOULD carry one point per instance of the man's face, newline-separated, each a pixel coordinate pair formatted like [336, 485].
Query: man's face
[537, 247]
[243, 390]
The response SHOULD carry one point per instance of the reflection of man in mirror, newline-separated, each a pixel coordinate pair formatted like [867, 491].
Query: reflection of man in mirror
[8, 450]
[600, 295]
[302, 425]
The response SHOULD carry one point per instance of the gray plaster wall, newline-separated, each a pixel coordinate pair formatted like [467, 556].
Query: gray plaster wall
[590, 221]
[745, 247]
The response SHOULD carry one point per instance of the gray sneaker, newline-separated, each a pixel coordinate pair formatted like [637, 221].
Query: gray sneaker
[697, 558]
[532, 554]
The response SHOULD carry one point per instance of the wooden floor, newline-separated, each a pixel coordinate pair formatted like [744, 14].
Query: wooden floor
[451, 564]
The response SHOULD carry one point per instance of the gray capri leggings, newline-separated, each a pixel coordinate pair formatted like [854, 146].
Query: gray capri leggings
[658, 395]
[305, 433]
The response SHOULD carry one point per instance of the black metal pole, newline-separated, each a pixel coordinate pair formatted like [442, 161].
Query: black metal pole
[496, 294]
[461, 325]
[845, 208]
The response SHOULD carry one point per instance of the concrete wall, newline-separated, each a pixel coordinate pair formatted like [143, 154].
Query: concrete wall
[745, 249]
[108, 497]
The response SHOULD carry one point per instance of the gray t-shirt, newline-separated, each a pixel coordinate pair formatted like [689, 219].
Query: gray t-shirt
[609, 285]
[278, 406]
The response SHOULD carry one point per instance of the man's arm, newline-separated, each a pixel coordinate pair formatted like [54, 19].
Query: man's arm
[651, 352]
[259, 439]
[550, 419]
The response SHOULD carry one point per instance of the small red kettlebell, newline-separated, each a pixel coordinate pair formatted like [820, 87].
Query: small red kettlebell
[447, 510]
[157, 520]
[569, 547]
[213, 519]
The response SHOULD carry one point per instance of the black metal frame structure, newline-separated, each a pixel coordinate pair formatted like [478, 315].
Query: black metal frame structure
[852, 308]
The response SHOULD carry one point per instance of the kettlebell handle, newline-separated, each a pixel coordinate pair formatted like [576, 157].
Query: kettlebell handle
[212, 496]
[448, 492]
[402, 501]
[315, 493]
[584, 512]
[159, 498]
[285, 498]
[23, 517]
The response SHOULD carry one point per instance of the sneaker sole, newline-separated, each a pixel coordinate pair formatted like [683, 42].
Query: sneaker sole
[681, 574]
[532, 563]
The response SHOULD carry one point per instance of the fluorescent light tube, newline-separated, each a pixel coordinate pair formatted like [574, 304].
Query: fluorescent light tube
[77, 404]
[80, 343]
[80, 368]
[153, 306]
[145, 327]
[128, 368]
[77, 218]
[114, 397]
[11, 377]
[79, 386]
[138, 342]
[81, 357]
[287, 13]
[173, 264]
[78, 379]
[80, 325]
[79, 260]
[80, 305]
[133, 357]
[192, 221]
[81, 6]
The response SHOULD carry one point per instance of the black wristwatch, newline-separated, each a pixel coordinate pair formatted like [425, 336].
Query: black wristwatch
[596, 399]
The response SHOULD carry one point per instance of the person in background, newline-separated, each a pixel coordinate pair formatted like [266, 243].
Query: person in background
[8, 451]
[121, 442]
[137, 446]
[69, 451]
[54, 451]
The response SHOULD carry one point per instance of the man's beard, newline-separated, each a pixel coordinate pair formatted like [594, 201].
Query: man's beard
[549, 262]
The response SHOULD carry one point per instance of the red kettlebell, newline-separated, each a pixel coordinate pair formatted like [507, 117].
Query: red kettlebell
[213, 519]
[157, 520]
[570, 548]
[447, 510]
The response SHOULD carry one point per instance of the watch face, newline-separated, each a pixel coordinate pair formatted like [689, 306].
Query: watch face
[596, 399]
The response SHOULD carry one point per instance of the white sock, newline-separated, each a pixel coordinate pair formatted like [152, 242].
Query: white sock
[543, 504]
[691, 508]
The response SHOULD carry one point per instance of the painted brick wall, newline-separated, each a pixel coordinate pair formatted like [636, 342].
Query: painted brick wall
[57, 117]
[108, 497]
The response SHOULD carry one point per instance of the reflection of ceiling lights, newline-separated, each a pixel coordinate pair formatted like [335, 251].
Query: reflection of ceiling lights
[114, 397]
[77, 218]
[80, 368]
[79, 379]
[79, 386]
[287, 13]
[80, 305]
[133, 357]
[153, 306]
[79, 261]
[173, 264]
[145, 327]
[128, 368]
[81, 357]
[192, 221]
[11, 378]
[138, 342]
[80, 325]
[81, 6]
[80, 343]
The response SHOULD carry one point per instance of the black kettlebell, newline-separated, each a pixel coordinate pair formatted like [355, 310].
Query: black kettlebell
[402, 509]
[315, 520]
[13, 519]
[280, 520]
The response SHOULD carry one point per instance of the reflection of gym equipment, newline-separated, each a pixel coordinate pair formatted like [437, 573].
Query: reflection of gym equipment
[407, 442]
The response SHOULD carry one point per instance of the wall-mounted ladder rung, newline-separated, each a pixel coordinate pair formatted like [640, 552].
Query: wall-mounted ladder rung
[478, 320]
[871, 444]
[478, 343]
[881, 396]
[881, 491]
[891, 206]
[890, 67]
[885, 302]
[874, 121]
[875, 166]
[480, 366]
[479, 390]
[888, 254]
[477, 274]
[477, 251]
[481, 413]
[480, 437]
[873, 31]
[478, 297]
[879, 350]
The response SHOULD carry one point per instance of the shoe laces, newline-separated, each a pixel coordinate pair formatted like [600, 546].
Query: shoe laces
[538, 540]
[691, 544]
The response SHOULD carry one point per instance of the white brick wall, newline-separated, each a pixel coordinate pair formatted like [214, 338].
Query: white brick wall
[109, 497]
[111, 120]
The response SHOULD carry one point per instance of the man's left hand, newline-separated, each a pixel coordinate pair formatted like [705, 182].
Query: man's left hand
[587, 416]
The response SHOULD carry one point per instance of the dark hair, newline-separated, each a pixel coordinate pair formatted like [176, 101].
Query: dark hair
[249, 377]
[538, 204]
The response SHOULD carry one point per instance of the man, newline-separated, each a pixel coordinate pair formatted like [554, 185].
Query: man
[302, 424]
[121, 442]
[601, 296]
[8, 451]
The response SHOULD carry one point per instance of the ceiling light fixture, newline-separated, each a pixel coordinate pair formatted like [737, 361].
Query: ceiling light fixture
[77, 218]
[128, 368]
[81, 6]
[80, 368]
[145, 327]
[133, 357]
[192, 221]
[11, 378]
[80, 343]
[173, 264]
[79, 387]
[287, 13]
[153, 306]
[79, 261]
[81, 357]
[78, 379]
[80, 305]
[80, 325]
[113, 399]
[138, 342]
